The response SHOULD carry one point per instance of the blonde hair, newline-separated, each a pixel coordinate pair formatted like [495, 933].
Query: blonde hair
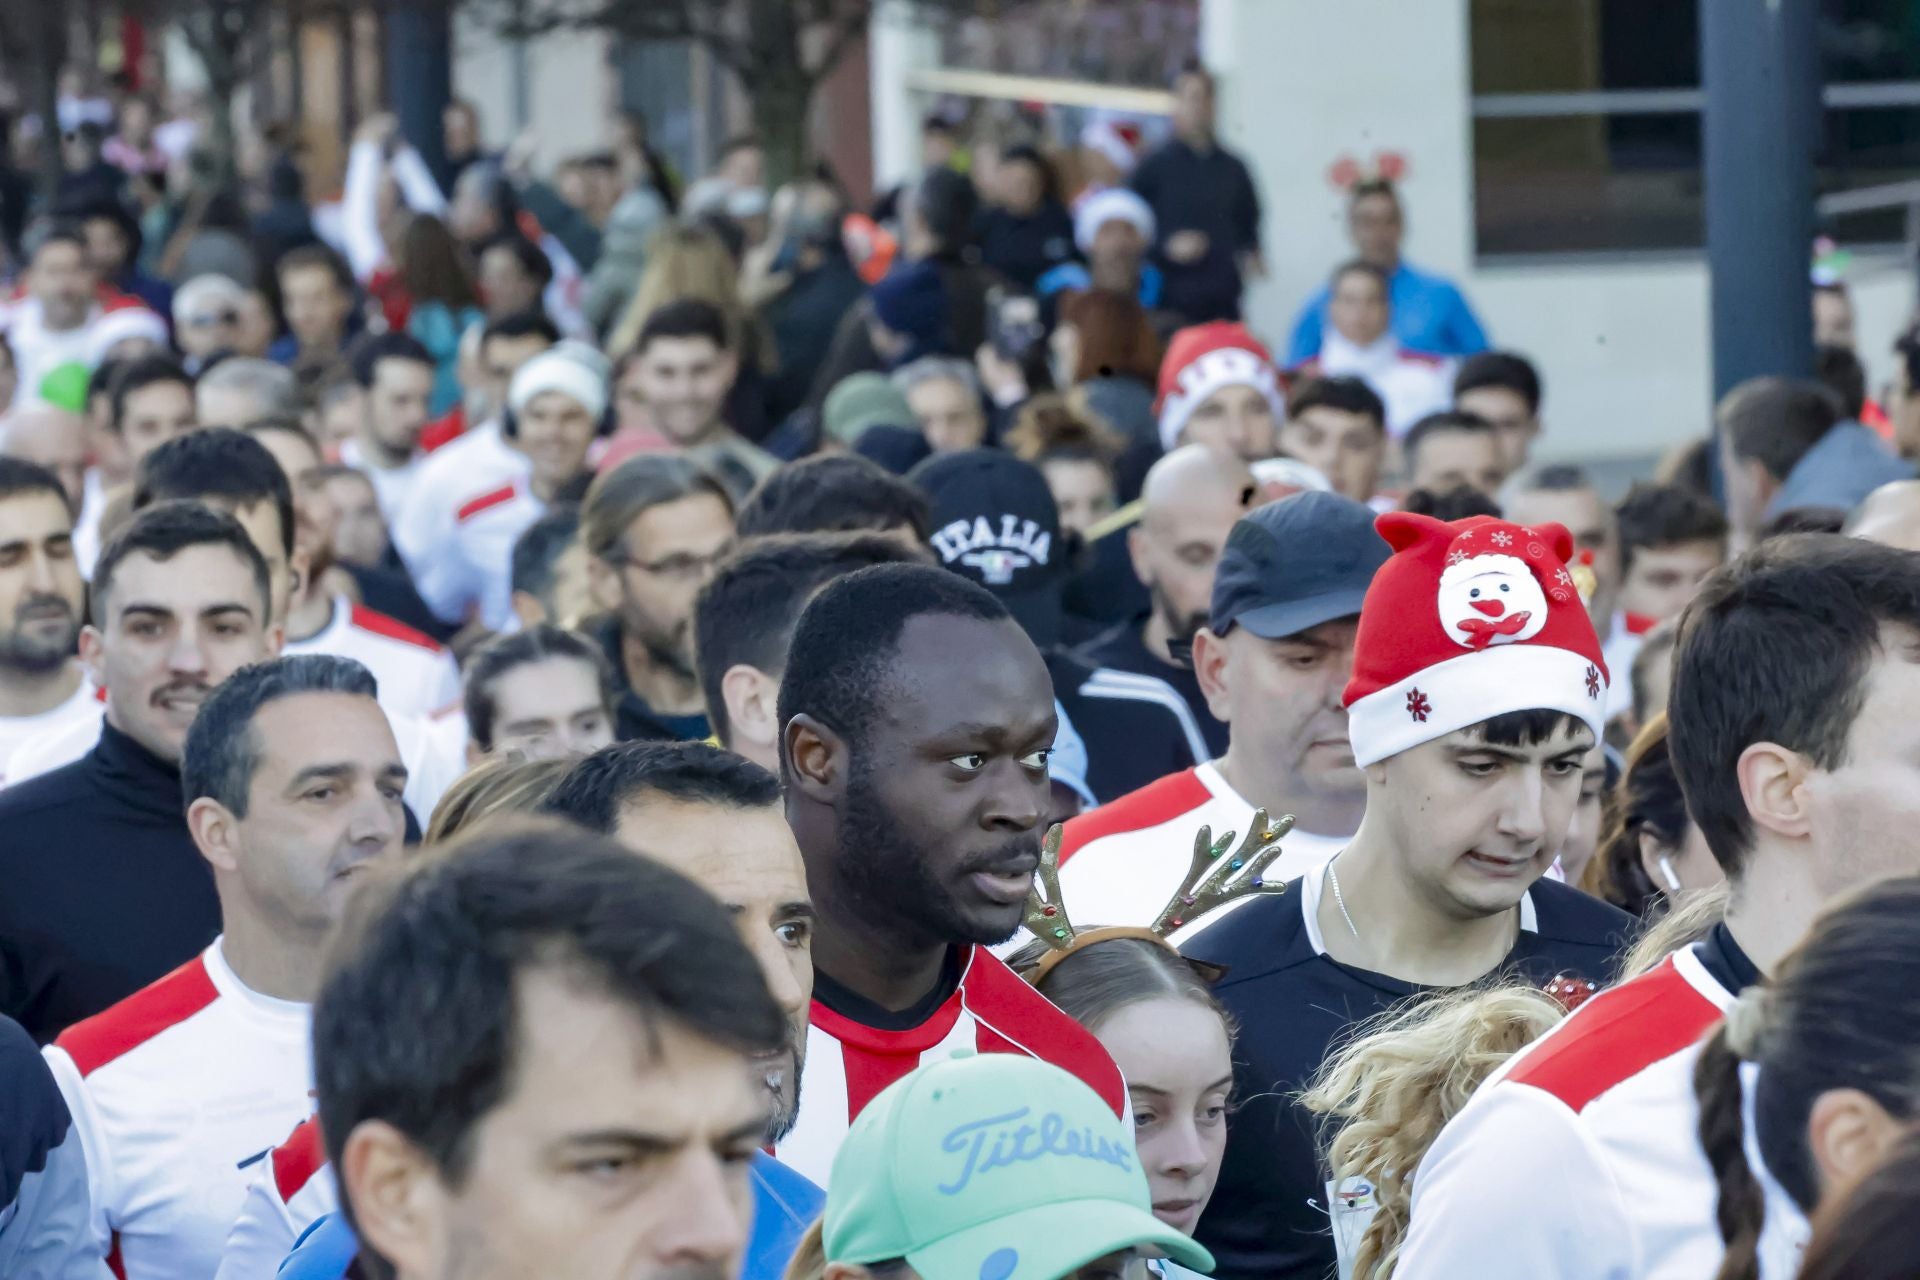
[1391, 1089]
[1690, 918]
[687, 260]
[809, 1261]
[506, 785]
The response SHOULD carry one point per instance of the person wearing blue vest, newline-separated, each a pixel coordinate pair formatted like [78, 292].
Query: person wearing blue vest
[1430, 314]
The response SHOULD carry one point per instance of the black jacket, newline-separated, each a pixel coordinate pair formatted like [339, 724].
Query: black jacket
[1268, 1216]
[101, 888]
[633, 719]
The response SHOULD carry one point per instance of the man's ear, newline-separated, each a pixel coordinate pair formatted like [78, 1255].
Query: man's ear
[1772, 783]
[817, 757]
[215, 833]
[91, 650]
[1137, 555]
[399, 1202]
[527, 608]
[752, 699]
[603, 582]
[1210, 668]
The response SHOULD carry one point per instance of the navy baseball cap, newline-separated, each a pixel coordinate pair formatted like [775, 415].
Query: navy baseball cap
[1293, 564]
[994, 520]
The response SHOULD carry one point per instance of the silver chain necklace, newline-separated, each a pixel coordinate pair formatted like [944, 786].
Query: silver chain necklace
[1340, 901]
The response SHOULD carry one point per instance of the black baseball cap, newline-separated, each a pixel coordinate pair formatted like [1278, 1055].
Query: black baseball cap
[994, 520]
[1293, 564]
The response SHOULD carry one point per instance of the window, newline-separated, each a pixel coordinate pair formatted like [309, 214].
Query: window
[1133, 43]
[1586, 120]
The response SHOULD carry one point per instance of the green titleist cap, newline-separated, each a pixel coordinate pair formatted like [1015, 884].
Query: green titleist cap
[997, 1167]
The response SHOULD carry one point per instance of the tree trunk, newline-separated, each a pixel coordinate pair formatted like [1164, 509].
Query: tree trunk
[782, 112]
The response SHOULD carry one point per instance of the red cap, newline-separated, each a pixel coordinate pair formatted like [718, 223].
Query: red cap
[1200, 361]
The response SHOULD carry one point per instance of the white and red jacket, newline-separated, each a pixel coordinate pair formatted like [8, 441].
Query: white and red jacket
[417, 675]
[1122, 862]
[1580, 1157]
[1411, 384]
[479, 460]
[293, 1189]
[990, 1010]
[178, 1092]
[471, 575]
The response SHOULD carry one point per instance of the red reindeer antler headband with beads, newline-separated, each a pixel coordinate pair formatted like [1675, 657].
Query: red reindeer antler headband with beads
[1213, 879]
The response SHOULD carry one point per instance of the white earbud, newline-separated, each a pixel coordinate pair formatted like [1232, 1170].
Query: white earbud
[1666, 872]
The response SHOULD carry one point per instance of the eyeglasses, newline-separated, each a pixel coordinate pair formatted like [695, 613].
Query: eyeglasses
[207, 319]
[682, 567]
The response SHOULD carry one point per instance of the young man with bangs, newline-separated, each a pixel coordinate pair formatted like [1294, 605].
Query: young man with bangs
[1477, 688]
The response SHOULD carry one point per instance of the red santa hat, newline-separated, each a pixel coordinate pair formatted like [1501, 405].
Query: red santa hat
[1205, 358]
[1468, 621]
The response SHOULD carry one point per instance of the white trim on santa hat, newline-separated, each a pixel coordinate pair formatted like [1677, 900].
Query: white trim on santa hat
[1210, 372]
[1115, 204]
[1461, 692]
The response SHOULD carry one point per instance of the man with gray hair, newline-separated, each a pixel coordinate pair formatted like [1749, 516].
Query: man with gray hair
[293, 786]
[944, 392]
[241, 390]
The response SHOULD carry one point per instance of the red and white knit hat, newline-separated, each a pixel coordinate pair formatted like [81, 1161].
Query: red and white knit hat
[1465, 622]
[1200, 361]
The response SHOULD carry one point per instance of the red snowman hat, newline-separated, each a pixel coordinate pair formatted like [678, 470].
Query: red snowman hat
[1201, 360]
[1467, 621]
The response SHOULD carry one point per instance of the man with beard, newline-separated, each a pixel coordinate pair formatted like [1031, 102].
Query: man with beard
[1272, 661]
[655, 527]
[180, 601]
[917, 720]
[43, 687]
[1189, 504]
[292, 783]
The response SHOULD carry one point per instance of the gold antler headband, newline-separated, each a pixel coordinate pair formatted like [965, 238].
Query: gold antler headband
[1213, 879]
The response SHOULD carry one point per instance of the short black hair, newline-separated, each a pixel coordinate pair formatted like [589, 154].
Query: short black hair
[1508, 370]
[149, 370]
[217, 465]
[1348, 395]
[418, 1022]
[596, 788]
[369, 351]
[528, 254]
[1776, 420]
[949, 205]
[1457, 503]
[1664, 515]
[222, 753]
[325, 256]
[521, 324]
[1435, 424]
[53, 230]
[1777, 647]
[517, 649]
[684, 318]
[1841, 372]
[839, 661]
[536, 552]
[18, 477]
[832, 493]
[1803, 520]
[1560, 477]
[164, 530]
[747, 613]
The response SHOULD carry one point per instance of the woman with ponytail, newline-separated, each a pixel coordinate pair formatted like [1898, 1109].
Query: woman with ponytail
[1817, 1072]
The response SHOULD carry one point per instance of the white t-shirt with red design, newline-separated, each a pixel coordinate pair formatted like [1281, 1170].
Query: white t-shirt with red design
[990, 1010]
[178, 1092]
[1121, 864]
[417, 676]
[472, 573]
[293, 1189]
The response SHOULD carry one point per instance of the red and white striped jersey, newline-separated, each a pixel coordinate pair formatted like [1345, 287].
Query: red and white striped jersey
[991, 1010]
[293, 1188]
[178, 1092]
[472, 572]
[417, 676]
[1597, 1120]
[1121, 864]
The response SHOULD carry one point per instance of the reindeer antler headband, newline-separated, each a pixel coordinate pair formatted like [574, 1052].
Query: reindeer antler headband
[1213, 879]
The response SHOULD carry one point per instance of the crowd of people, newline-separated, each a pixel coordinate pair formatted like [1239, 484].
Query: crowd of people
[591, 726]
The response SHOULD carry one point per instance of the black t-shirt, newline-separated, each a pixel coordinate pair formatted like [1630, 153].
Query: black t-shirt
[1210, 192]
[1133, 728]
[1124, 648]
[1025, 248]
[1268, 1216]
[101, 888]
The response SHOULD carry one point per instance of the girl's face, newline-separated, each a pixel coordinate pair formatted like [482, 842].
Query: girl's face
[1179, 1071]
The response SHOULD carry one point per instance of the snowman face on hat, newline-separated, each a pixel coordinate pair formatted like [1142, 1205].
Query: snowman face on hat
[1489, 600]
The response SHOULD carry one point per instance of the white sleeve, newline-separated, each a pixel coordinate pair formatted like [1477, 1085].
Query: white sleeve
[360, 210]
[263, 1234]
[447, 690]
[417, 187]
[445, 581]
[102, 1185]
[1513, 1190]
